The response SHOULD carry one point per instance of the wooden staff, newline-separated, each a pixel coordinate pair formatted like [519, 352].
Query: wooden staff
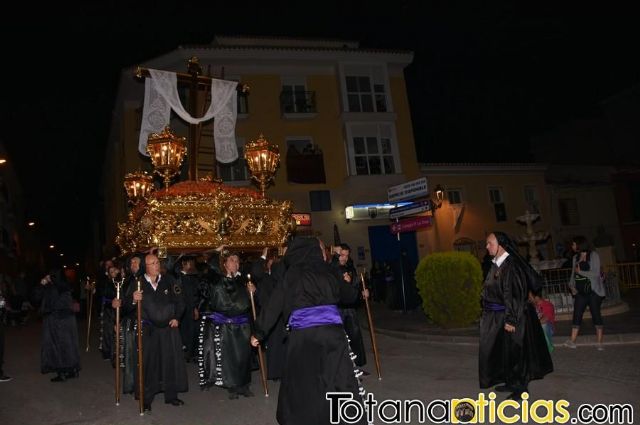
[118, 285]
[263, 371]
[371, 330]
[140, 365]
[90, 286]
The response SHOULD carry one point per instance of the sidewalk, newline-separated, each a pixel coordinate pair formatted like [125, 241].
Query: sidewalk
[620, 328]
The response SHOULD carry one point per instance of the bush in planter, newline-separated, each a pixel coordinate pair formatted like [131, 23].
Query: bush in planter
[450, 284]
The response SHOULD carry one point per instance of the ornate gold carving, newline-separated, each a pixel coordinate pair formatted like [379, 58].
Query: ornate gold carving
[203, 215]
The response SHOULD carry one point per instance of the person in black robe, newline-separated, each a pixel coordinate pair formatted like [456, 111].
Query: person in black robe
[268, 273]
[127, 359]
[347, 273]
[513, 350]
[162, 306]
[107, 292]
[318, 358]
[189, 280]
[224, 357]
[59, 352]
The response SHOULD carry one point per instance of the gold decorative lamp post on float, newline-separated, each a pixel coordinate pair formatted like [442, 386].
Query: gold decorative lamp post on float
[138, 185]
[262, 159]
[167, 152]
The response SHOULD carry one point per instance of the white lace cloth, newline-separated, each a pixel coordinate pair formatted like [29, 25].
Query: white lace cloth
[161, 96]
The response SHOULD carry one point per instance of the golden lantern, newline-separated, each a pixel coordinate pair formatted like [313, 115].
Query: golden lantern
[138, 186]
[262, 160]
[167, 152]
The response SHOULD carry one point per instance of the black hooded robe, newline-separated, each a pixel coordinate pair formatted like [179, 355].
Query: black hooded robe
[59, 351]
[164, 364]
[318, 358]
[511, 358]
[276, 342]
[224, 357]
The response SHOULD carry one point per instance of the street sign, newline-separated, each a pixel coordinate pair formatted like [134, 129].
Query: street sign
[414, 208]
[410, 190]
[302, 219]
[410, 224]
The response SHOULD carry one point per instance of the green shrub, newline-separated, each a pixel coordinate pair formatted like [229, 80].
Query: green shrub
[450, 284]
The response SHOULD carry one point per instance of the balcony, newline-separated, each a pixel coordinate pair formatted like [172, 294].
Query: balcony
[298, 104]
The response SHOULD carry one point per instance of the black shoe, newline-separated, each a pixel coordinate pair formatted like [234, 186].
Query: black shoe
[146, 408]
[365, 373]
[504, 389]
[233, 395]
[5, 378]
[246, 392]
[59, 378]
[175, 402]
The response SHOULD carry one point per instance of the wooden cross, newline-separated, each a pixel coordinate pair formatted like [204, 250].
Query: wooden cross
[195, 81]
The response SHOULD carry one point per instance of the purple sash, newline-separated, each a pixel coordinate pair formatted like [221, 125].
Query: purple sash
[494, 307]
[319, 315]
[221, 319]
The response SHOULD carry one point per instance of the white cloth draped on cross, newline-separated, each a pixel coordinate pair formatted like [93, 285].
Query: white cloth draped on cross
[161, 96]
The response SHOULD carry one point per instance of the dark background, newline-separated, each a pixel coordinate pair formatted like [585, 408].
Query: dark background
[485, 78]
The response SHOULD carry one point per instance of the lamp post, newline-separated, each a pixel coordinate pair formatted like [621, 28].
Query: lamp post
[262, 159]
[167, 152]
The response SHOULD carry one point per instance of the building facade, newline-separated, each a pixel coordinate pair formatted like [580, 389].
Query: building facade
[338, 113]
[481, 198]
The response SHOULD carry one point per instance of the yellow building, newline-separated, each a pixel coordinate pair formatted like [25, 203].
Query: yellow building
[339, 114]
[481, 198]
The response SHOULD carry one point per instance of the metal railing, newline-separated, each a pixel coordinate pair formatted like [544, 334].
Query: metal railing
[298, 102]
[627, 274]
[556, 288]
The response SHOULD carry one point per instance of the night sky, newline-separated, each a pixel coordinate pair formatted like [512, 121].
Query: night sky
[483, 82]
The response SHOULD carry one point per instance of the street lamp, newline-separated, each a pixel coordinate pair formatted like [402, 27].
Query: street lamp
[438, 191]
[31, 223]
[262, 160]
[167, 152]
[2, 160]
[52, 246]
[138, 186]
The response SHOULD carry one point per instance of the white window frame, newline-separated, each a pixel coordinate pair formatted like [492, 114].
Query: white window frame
[293, 81]
[377, 74]
[361, 129]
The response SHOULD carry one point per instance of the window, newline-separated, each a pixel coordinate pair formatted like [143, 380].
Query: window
[236, 170]
[531, 199]
[495, 195]
[365, 89]
[454, 196]
[568, 208]
[497, 199]
[305, 161]
[372, 150]
[294, 97]
[320, 200]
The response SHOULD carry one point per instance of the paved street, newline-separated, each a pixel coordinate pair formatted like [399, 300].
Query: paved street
[412, 369]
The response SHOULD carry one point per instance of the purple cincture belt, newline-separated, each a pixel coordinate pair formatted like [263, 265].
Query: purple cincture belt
[494, 307]
[221, 319]
[319, 315]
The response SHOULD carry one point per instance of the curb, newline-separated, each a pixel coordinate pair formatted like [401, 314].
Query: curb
[558, 341]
